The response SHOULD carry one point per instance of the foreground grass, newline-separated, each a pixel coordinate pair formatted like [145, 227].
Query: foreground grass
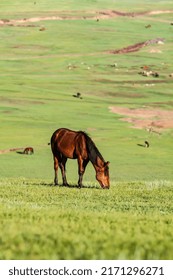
[129, 221]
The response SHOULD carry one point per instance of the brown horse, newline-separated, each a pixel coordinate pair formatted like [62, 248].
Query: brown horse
[66, 143]
[28, 151]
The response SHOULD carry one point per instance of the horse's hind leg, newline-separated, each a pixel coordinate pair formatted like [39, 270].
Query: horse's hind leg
[63, 171]
[56, 170]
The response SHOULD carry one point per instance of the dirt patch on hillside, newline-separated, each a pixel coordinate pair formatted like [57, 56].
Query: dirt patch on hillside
[145, 118]
[132, 48]
[136, 47]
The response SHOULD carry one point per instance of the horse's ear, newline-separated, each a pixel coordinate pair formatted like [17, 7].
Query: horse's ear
[107, 163]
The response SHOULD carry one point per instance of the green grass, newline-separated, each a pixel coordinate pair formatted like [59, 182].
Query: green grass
[40, 72]
[130, 221]
[11, 7]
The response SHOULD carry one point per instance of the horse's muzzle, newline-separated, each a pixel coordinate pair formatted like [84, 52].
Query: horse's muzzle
[105, 187]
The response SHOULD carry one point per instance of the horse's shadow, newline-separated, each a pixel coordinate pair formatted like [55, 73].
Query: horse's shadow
[73, 186]
[70, 186]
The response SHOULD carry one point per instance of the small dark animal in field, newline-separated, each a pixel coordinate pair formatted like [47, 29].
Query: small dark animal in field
[77, 95]
[114, 65]
[28, 151]
[146, 145]
[148, 26]
[42, 29]
[155, 74]
[66, 143]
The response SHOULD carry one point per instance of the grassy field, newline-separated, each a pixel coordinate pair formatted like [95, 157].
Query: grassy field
[130, 221]
[48, 53]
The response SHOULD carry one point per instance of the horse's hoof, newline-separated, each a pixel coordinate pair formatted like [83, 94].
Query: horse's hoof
[65, 185]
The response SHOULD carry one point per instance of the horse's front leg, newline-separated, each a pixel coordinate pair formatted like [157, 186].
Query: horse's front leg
[81, 169]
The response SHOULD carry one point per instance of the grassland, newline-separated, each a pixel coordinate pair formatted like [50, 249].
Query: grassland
[40, 71]
[130, 221]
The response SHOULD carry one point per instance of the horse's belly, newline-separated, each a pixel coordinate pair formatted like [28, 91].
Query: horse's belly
[67, 151]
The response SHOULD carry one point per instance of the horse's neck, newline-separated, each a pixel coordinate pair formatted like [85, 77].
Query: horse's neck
[99, 163]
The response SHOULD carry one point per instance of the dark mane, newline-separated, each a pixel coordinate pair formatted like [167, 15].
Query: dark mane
[93, 152]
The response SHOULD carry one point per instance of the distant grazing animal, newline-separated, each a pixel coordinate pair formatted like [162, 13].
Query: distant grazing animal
[114, 65]
[149, 73]
[66, 143]
[147, 144]
[28, 151]
[148, 26]
[145, 67]
[156, 75]
[145, 73]
[78, 95]
[42, 29]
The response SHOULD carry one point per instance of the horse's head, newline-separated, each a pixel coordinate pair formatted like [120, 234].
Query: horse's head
[102, 175]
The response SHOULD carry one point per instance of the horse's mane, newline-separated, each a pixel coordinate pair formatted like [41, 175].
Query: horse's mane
[93, 152]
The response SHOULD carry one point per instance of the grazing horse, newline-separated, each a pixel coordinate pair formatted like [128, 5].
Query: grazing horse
[66, 143]
[28, 151]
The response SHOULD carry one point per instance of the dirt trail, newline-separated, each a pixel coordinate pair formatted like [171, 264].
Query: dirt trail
[10, 150]
[96, 15]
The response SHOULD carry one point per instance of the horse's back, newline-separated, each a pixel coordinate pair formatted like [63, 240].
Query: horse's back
[69, 143]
